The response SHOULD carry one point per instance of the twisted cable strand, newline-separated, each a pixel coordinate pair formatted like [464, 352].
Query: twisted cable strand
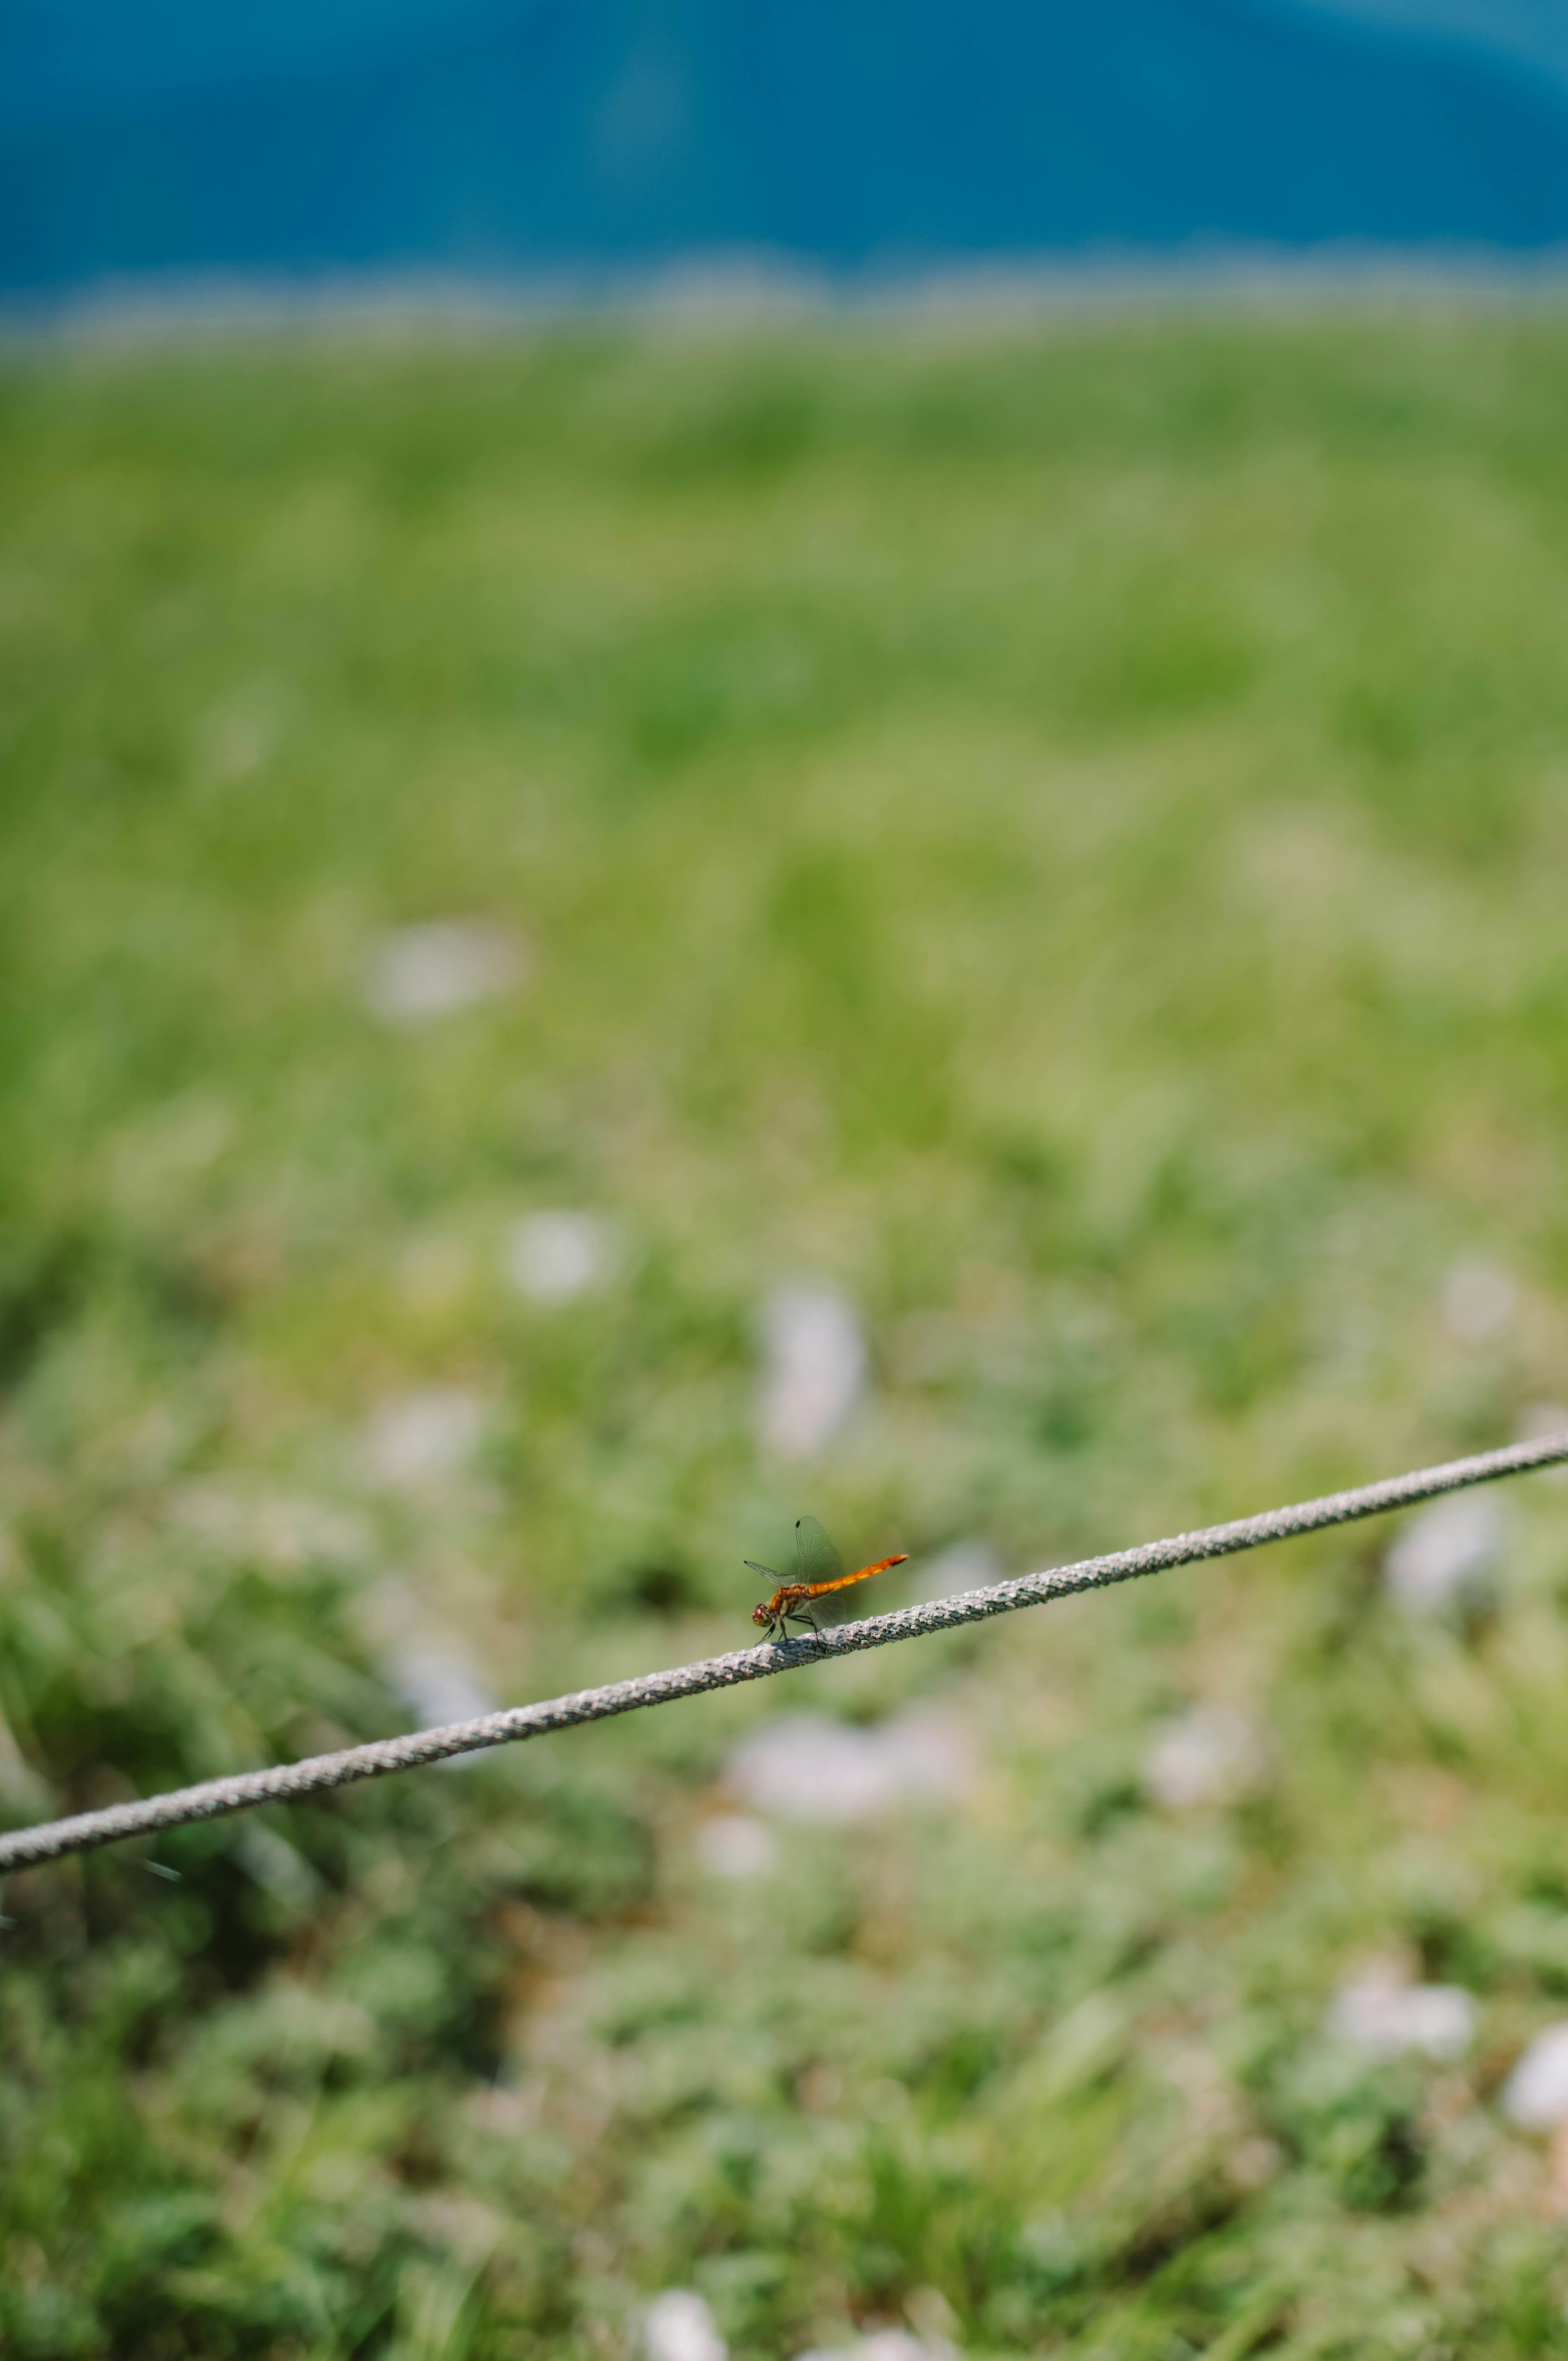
[280, 1782]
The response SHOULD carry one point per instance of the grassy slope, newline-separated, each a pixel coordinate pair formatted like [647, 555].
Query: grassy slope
[1061, 834]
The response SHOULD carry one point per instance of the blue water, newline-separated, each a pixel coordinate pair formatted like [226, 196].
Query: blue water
[530, 136]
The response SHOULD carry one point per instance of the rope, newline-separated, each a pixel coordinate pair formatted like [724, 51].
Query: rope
[283, 1782]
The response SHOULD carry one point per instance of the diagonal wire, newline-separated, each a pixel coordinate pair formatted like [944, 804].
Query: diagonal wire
[282, 1782]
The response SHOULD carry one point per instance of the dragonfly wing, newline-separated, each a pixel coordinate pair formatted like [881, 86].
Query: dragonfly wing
[775, 1578]
[816, 1560]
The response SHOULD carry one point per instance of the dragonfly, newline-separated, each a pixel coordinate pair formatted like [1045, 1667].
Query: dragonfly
[819, 1569]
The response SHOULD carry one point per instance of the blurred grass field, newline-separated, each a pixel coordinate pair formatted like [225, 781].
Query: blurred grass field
[1059, 835]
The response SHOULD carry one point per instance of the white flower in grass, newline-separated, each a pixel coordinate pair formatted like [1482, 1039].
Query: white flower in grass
[678, 2326]
[733, 1844]
[1446, 1558]
[414, 1440]
[1478, 1300]
[441, 1682]
[554, 1257]
[803, 1766]
[1381, 2015]
[418, 973]
[1535, 2095]
[275, 1863]
[814, 1364]
[963, 1565]
[1211, 1754]
[423, 1662]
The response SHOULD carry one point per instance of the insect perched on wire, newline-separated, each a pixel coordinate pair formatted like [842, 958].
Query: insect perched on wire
[819, 1569]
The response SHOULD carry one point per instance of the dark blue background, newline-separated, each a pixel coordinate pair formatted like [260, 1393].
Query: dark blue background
[527, 137]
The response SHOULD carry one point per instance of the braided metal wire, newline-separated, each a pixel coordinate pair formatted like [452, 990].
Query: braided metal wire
[283, 1782]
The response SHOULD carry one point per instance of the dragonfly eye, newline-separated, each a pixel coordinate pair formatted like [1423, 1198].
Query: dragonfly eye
[761, 1614]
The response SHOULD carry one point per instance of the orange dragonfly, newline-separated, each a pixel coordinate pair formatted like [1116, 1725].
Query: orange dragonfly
[819, 1569]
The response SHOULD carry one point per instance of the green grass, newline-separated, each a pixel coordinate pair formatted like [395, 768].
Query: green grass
[1061, 834]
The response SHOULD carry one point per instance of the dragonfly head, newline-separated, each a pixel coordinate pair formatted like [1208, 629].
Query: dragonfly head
[761, 1614]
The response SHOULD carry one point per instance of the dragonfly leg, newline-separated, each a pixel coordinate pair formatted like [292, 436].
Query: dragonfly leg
[800, 1615]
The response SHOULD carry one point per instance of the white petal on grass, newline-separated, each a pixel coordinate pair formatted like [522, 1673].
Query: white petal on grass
[1211, 1754]
[1446, 1558]
[441, 1683]
[1381, 2016]
[964, 1566]
[414, 1440]
[803, 1766]
[273, 1862]
[678, 2326]
[1479, 1299]
[734, 1845]
[554, 1257]
[418, 973]
[814, 1367]
[1535, 2095]
[422, 1662]
[927, 1756]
